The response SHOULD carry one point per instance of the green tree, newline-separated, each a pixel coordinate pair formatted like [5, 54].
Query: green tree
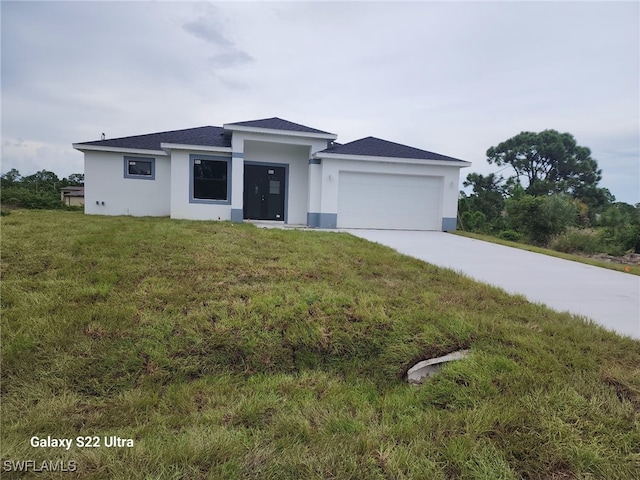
[76, 179]
[42, 180]
[40, 190]
[539, 218]
[549, 161]
[11, 177]
[621, 224]
[595, 198]
[487, 196]
[474, 221]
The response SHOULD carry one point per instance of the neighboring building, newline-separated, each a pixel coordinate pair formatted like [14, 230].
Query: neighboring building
[72, 196]
[272, 169]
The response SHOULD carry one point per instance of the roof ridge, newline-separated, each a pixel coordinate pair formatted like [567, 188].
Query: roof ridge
[277, 123]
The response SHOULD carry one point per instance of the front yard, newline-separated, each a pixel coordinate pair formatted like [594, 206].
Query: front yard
[228, 351]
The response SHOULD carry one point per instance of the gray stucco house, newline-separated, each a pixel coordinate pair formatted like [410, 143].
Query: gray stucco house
[272, 169]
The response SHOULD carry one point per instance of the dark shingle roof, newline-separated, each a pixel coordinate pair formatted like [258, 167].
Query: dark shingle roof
[376, 147]
[206, 136]
[276, 123]
[73, 191]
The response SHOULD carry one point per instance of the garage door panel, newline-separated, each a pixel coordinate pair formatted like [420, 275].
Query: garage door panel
[373, 200]
[357, 178]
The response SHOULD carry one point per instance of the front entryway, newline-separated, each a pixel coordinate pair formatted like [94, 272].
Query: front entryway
[264, 192]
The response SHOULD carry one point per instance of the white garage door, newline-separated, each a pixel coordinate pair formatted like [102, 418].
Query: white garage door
[394, 202]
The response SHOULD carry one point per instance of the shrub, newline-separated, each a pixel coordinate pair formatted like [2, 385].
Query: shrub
[511, 235]
[540, 217]
[21, 196]
[474, 221]
[618, 241]
[621, 223]
[577, 240]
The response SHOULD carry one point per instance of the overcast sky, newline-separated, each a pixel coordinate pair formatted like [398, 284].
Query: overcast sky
[451, 77]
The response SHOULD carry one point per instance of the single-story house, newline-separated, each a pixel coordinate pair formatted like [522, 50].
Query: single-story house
[72, 196]
[272, 169]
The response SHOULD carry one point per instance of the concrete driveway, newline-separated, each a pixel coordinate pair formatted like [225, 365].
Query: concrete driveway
[609, 298]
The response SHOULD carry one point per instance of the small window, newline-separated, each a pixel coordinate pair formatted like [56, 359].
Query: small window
[210, 179]
[139, 167]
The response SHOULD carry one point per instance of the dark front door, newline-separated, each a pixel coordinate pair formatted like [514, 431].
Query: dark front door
[264, 192]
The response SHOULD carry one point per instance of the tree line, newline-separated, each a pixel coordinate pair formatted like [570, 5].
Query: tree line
[550, 198]
[40, 190]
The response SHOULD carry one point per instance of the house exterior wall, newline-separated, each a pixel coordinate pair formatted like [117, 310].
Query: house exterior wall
[180, 201]
[104, 181]
[73, 201]
[330, 175]
[239, 138]
[315, 191]
[72, 198]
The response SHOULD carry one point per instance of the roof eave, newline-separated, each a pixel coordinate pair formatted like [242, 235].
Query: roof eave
[273, 131]
[202, 148]
[372, 158]
[103, 148]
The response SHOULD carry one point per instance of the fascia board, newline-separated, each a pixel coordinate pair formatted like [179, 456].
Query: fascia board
[101, 148]
[273, 131]
[200, 148]
[414, 161]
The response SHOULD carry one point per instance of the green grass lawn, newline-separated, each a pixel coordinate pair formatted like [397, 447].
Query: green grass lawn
[228, 351]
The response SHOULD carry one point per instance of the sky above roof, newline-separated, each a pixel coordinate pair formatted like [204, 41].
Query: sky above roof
[449, 77]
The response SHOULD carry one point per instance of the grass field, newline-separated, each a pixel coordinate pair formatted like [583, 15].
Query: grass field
[228, 351]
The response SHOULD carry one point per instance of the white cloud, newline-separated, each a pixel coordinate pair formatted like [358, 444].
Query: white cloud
[229, 59]
[208, 31]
